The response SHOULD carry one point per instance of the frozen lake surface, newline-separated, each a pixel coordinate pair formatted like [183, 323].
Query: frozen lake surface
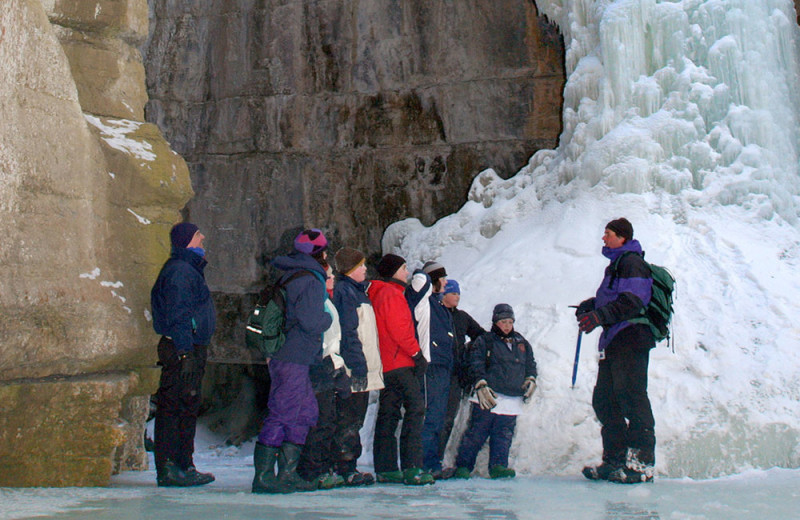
[772, 494]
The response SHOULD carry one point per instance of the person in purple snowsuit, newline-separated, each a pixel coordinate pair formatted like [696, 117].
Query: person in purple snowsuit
[292, 403]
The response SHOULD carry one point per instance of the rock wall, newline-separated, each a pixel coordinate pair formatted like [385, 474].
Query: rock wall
[346, 115]
[88, 192]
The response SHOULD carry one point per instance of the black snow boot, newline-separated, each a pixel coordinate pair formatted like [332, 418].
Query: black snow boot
[610, 464]
[639, 467]
[265, 480]
[173, 476]
[288, 458]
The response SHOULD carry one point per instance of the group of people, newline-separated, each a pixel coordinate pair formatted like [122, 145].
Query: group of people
[401, 334]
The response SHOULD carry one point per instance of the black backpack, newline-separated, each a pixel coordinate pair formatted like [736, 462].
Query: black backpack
[658, 313]
[265, 330]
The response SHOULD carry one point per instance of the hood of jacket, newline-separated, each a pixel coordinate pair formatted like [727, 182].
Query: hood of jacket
[296, 261]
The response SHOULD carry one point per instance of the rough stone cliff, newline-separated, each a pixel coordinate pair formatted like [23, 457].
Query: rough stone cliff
[346, 115]
[88, 192]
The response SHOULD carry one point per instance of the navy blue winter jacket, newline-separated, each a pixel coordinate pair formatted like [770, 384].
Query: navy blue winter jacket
[306, 318]
[348, 295]
[622, 295]
[181, 302]
[504, 362]
[443, 337]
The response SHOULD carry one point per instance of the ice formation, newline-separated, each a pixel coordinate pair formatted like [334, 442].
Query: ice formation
[682, 116]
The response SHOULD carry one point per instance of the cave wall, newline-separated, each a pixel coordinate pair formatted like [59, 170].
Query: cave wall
[345, 115]
[88, 192]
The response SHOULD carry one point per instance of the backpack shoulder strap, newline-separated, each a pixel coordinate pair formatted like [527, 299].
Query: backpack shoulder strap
[295, 275]
[615, 265]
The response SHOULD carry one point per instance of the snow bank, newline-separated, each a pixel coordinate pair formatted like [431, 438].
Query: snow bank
[683, 117]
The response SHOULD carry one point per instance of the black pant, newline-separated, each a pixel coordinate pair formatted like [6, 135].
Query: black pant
[177, 407]
[347, 439]
[453, 404]
[318, 454]
[620, 400]
[402, 391]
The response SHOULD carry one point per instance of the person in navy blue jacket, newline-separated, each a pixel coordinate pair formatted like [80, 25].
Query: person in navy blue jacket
[503, 373]
[292, 403]
[361, 353]
[620, 398]
[183, 313]
[434, 326]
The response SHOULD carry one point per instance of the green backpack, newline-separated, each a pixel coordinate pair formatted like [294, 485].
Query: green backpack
[265, 332]
[657, 313]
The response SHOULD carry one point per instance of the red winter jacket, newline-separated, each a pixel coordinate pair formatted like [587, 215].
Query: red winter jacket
[396, 336]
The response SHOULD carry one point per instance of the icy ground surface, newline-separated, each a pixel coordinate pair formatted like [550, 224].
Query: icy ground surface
[772, 494]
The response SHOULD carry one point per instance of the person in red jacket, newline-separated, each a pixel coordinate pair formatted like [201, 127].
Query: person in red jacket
[403, 367]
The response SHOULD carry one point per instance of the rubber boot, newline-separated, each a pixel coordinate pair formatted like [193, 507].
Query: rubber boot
[288, 457]
[499, 471]
[417, 477]
[265, 480]
[173, 476]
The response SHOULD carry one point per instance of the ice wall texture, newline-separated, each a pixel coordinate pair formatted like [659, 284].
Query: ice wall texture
[682, 95]
[681, 116]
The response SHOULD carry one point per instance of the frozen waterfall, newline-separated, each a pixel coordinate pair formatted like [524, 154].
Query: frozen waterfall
[683, 116]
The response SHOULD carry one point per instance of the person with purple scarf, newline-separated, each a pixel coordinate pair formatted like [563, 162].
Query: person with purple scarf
[292, 403]
[620, 398]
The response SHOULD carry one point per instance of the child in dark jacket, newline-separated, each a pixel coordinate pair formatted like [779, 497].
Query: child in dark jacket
[503, 370]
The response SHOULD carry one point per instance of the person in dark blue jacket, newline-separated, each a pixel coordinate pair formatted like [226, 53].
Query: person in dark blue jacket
[465, 326]
[503, 371]
[440, 335]
[183, 313]
[361, 353]
[620, 398]
[292, 403]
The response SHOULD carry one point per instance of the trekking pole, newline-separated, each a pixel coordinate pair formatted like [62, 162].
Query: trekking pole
[577, 356]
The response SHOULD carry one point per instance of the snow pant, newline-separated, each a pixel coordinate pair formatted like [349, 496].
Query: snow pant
[177, 407]
[292, 405]
[402, 391]
[456, 395]
[482, 425]
[437, 384]
[318, 453]
[621, 404]
[347, 438]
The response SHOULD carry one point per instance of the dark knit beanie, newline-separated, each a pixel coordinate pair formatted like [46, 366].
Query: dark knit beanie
[435, 270]
[347, 259]
[502, 311]
[310, 242]
[181, 234]
[621, 227]
[389, 265]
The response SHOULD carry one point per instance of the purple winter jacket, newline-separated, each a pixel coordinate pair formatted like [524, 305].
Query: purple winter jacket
[623, 295]
[306, 317]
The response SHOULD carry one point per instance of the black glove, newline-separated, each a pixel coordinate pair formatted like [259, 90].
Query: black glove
[358, 383]
[584, 307]
[191, 370]
[342, 383]
[420, 364]
[588, 322]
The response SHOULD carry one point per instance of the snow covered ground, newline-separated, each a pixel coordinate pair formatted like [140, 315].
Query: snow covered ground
[772, 494]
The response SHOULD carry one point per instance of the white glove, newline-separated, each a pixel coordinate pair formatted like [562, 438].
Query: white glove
[528, 387]
[486, 396]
